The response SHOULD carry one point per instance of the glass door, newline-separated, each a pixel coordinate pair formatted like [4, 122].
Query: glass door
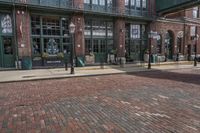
[99, 49]
[8, 52]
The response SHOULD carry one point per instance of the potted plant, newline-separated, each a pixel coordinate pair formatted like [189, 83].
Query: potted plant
[60, 56]
[45, 55]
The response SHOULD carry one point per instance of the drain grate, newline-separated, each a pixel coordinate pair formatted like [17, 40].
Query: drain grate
[28, 76]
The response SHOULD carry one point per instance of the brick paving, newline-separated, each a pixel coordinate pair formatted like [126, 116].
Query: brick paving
[143, 102]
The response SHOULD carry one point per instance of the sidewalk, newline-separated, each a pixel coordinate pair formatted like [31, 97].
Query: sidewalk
[42, 74]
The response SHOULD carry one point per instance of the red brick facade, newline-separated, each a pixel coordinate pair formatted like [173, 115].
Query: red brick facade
[119, 38]
[23, 32]
[78, 20]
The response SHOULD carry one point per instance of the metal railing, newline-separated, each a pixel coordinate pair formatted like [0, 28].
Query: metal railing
[87, 8]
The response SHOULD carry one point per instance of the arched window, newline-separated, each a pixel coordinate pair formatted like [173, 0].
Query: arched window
[179, 41]
[169, 45]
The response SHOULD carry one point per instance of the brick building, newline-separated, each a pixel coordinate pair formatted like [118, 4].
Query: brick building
[38, 31]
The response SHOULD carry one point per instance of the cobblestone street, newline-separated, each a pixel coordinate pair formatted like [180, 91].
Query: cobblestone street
[141, 102]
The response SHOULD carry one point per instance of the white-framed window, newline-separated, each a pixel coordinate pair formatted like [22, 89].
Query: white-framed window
[132, 2]
[87, 1]
[135, 31]
[144, 4]
[102, 2]
[195, 12]
[138, 3]
[95, 2]
[126, 2]
[109, 2]
[193, 31]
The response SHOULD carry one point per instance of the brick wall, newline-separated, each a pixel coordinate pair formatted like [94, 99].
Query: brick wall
[78, 20]
[23, 32]
[119, 36]
[120, 4]
[78, 4]
[163, 27]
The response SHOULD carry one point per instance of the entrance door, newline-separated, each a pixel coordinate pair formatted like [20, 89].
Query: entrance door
[189, 51]
[133, 51]
[99, 49]
[7, 55]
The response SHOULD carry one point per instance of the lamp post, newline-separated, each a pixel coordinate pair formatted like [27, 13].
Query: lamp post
[196, 41]
[151, 36]
[72, 31]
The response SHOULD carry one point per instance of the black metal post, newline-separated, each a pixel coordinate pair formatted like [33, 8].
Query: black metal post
[149, 62]
[72, 54]
[195, 57]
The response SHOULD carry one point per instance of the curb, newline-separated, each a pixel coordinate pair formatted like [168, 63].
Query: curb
[74, 76]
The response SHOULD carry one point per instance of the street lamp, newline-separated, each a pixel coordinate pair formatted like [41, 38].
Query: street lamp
[151, 35]
[196, 41]
[72, 31]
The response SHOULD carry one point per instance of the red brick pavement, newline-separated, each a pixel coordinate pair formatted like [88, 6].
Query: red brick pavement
[145, 102]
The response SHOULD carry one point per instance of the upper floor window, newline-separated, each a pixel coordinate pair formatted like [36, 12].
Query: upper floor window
[87, 1]
[195, 12]
[102, 2]
[109, 2]
[193, 31]
[136, 4]
[95, 2]
[144, 4]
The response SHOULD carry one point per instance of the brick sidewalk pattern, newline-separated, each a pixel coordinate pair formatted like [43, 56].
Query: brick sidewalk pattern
[143, 102]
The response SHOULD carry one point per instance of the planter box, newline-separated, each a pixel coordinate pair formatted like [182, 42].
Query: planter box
[89, 59]
[53, 62]
[37, 61]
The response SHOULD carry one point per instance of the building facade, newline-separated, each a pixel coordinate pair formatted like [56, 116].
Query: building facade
[106, 31]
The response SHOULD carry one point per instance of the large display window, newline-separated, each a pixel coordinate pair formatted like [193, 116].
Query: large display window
[50, 37]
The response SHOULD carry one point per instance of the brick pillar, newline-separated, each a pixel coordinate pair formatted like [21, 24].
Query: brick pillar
[120, 4]
[151, 7]
[119, 37]
[23, 32]
[79, 4]
[78, 20]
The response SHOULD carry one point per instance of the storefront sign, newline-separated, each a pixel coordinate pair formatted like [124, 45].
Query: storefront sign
[6, 24]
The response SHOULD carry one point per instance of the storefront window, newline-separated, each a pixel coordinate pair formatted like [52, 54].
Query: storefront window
[135, 31]
[195, 12]
[49, 35]
[6, 24]
[51, 26]
[35, 25]
[36, 46]
[101, 36]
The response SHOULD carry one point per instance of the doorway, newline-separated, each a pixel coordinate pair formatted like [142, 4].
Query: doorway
[169, 45]
[134, 51]
[99, 50]
[6, 52]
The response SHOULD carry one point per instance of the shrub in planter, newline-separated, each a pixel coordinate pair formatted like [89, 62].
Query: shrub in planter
[60, 56]
[45, 55]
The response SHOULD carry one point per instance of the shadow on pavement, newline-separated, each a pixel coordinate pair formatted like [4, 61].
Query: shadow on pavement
[175, 76]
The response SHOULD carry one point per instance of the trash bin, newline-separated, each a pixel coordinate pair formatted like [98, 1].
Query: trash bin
[122, 62]
[26, 63]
